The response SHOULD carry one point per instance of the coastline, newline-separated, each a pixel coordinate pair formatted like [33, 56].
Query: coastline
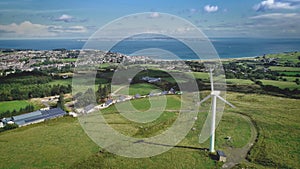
[227, 48]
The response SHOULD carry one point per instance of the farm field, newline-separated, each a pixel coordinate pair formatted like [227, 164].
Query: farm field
[239, 81]
[287, 69]
[64, 82]
[140, 88]
[11, 105]
[16, 105]
[290, 79]
[199, 75]
[281, 84]
[290, 73]
[61, 143]
[291, 56]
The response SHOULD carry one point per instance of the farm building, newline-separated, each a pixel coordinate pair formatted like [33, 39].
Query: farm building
[137, 96]
[35, 117]
[151, 79]
[109, 102]
[88, 108]
[221, 156]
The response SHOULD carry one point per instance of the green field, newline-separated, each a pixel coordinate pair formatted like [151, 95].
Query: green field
[290, 73]
[61, 143]
[278, 126]
[64, 82]
[140, 88]
[281, 84]
[199, 75]
[239, 81]
[283, 57]
[287, 69]
[14, 105]
[52, 144]
[11, 105]
[130, 128]
[290, 79]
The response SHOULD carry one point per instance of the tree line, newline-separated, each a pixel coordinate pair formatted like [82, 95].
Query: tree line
[20, 92]
[26, 85]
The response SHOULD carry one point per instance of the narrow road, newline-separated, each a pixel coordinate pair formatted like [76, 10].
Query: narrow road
[237, 155]
[120, 88]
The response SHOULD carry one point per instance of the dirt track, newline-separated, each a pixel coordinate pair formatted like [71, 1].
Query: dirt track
[237, 155]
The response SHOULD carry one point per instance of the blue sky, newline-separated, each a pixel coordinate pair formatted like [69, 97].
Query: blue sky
[216, 18]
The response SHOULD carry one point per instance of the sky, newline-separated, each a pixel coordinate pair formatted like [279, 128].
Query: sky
[216, 18]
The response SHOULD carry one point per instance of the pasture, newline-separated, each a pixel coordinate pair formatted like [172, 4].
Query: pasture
[61, 143]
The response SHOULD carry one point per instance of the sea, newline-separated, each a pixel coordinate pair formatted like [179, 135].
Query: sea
[225, 47]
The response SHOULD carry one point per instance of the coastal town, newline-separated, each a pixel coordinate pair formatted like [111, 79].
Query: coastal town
[14, 60]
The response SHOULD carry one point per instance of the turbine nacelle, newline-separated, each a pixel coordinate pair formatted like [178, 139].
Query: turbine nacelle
[215, 93]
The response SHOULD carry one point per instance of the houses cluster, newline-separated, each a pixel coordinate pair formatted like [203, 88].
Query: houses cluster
[33, 117]
[28, 60]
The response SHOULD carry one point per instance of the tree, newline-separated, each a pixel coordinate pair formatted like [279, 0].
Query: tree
[259, 83]
[103, 91]
[61, 101]
[10, 126]
[297, 81]
[86, 99]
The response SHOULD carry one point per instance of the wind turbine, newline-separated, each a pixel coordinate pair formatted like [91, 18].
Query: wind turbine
[214, 95]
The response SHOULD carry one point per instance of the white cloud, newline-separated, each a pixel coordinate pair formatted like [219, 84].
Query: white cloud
[65, 18]
[272, 4]
[211, 8]
[276, 16]
[28, 29]
[71, 29]
[276, 24]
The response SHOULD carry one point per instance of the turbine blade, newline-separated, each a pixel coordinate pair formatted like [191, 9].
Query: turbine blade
[226, 101]
[206, 98]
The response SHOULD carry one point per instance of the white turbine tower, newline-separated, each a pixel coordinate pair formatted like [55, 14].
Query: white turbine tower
[214, 95]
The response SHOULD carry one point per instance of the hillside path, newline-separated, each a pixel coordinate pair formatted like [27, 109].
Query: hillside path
[237, 155]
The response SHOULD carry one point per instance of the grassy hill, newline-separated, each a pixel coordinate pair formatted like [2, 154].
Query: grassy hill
[53, 144]
[61, 143]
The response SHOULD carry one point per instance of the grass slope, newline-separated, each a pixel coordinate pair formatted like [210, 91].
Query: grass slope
[239, 81]
[281, 68]
[140, 88]
[61, 143]
[13, 105]
[278, 125]
[281, 84]
[187, 154]
[54, 144]
[17, 105]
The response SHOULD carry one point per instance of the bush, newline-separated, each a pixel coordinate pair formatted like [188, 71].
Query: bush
[9, 127]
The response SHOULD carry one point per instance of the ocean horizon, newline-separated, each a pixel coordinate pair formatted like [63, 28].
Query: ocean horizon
[226, 47]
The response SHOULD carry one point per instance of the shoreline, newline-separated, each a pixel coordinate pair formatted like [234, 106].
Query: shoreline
[8, 50]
